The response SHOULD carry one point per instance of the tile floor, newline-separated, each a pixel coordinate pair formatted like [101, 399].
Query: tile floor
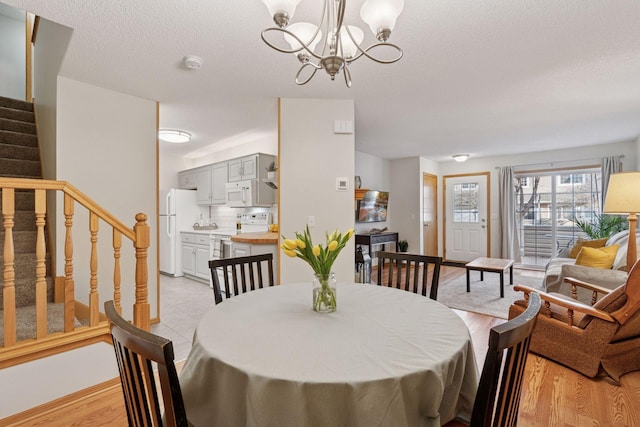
[183, 302]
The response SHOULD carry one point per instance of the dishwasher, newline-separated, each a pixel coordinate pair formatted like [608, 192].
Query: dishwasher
[220, 248]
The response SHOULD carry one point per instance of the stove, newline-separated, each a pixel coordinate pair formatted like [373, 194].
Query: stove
[220, 239]
[255, 222]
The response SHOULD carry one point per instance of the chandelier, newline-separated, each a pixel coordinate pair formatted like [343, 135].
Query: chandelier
[341, 44]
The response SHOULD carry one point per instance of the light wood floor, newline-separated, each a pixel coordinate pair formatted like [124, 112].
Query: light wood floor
[552, 394]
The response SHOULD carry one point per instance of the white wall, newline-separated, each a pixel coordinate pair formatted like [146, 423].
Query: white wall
[48, 53]
[405, 201]
[12, 54]
[375, 174]
[489, 164]
[107, 149]
[311, 158]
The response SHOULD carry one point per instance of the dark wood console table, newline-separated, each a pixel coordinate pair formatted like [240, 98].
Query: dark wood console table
[377, 239]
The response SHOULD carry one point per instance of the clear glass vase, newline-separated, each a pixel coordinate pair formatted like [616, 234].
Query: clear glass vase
[324, 293]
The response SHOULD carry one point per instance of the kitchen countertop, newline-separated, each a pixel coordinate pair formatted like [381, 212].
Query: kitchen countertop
[213, 231]
[260, 238]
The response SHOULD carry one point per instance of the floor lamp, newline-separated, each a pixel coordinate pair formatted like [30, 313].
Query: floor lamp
[623, 197]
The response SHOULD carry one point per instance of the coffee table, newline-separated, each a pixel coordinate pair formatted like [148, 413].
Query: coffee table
[491, 265]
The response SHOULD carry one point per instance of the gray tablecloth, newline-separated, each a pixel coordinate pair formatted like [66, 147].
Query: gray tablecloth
[386, 357]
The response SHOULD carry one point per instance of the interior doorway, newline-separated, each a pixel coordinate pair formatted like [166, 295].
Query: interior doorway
[466, 205]
[429, 214]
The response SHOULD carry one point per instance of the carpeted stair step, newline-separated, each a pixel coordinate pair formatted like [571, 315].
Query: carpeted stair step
[23, 241]
[24, 201]
[17, 115]
[16, 104]
[17, 138]
[26, 291]
[19, 152]
[24, 266]
[17, 126]
[20, 168]
[26, 323]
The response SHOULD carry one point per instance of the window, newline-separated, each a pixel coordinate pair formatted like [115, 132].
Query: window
[465, 202]
[547, 207]
[571, 179]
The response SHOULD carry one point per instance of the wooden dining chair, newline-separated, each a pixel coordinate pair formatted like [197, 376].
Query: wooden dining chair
[498, 397]
[244, 273]
[138, 353]
[409, 271]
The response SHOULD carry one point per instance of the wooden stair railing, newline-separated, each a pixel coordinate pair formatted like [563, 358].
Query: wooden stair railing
[138, 235]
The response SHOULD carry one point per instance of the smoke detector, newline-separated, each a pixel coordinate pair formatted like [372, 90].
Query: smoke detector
[192, 62]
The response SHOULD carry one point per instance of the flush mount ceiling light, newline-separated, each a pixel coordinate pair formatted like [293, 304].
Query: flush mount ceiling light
[341, 44]
[460, 157]
[174, 136]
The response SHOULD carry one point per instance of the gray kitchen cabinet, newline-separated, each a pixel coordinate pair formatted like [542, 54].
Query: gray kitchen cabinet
[203, 189]
[210, 182]
[195, 256]
[243, 168]
[218, 181]
[187, 180]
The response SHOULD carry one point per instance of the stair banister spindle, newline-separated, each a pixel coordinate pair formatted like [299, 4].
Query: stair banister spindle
[69, 284]
[9, 290]
[94, 301]
[41, 266]
[141, 309]
[117, 244]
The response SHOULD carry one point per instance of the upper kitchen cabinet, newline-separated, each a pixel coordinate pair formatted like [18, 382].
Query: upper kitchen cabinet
[243, 168]
[187, 180]
[210, 182]
[249, 167]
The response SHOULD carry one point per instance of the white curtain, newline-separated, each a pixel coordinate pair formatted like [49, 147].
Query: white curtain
[610, 165]
[507, 224]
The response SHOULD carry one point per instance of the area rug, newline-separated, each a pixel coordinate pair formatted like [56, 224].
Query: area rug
[484, 297]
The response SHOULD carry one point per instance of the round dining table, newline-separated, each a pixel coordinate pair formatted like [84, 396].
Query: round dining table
[385, 357]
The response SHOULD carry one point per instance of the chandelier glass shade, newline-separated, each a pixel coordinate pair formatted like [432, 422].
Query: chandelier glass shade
[331, 45]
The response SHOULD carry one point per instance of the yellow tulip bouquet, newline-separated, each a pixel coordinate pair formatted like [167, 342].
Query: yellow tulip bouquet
[321, 259]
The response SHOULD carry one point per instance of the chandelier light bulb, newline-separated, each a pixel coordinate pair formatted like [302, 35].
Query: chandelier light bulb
[381, 16]
[349, 48]
[304, 31]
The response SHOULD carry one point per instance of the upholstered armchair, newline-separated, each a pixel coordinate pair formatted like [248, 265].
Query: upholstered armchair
[589, 338]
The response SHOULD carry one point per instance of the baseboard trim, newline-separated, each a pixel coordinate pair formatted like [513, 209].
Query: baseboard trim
[40, 413]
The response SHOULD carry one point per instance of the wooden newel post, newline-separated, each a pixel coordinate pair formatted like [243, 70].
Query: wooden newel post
[141, 313]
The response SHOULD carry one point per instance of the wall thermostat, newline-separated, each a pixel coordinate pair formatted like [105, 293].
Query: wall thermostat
[342, 184]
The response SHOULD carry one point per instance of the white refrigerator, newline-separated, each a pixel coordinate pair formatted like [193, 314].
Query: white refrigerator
[179, 210]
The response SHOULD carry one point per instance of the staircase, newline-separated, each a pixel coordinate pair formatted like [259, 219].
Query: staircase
[42, 315]
[20, 158]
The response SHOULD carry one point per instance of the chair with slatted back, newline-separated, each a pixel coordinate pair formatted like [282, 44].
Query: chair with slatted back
[409, 272]
[498, 397]
[138, 353]
[243, 273]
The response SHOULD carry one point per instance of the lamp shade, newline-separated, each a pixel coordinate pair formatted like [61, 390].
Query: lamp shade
[286, 6]
[381, 14]
[304, 31]
[349, 48]
[623, 193]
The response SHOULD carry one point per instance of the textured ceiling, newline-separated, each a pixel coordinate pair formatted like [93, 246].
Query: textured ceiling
[480, 77]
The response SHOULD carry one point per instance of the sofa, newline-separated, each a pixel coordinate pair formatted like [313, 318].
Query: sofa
[563, 266]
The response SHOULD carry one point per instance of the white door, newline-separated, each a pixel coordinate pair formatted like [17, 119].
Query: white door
[466, 224]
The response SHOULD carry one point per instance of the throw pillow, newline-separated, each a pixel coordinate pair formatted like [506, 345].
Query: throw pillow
[597, 243]
[597, 257]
